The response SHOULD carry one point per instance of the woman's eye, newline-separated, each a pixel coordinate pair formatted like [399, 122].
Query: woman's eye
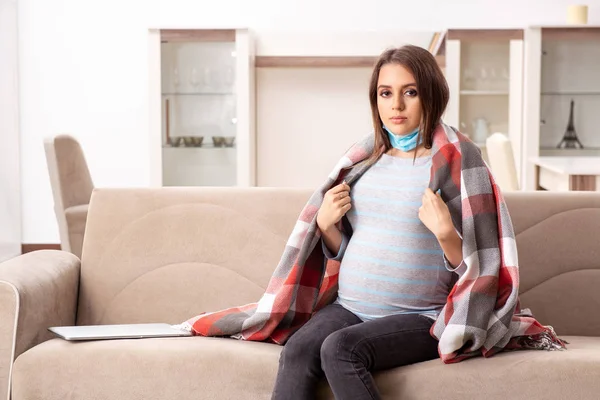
[385, 93]
[411, 92]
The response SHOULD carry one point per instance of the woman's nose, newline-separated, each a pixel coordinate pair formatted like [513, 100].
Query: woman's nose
[398, 103]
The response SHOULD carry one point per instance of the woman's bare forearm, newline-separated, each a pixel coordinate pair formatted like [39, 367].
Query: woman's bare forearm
[332, 238]
[452, 246]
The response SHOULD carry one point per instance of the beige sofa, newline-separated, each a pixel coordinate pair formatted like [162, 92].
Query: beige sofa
[153, 255]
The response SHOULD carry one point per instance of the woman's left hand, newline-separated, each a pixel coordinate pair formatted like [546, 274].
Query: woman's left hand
[435, 215]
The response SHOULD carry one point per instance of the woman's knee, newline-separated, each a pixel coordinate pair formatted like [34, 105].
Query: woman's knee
[339, 346]
[300, 349]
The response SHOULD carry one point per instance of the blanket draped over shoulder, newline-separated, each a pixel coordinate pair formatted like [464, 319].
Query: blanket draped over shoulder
[481, 316]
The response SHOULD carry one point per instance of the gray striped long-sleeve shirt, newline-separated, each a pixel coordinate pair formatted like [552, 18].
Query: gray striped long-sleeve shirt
[392, 263]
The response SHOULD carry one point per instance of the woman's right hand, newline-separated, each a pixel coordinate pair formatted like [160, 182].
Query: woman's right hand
[336, 204]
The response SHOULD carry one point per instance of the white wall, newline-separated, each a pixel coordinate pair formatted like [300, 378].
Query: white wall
[83, 68]
[10, 200]
[304, 127]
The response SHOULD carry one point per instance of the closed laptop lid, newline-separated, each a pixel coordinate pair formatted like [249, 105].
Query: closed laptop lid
[124, 331]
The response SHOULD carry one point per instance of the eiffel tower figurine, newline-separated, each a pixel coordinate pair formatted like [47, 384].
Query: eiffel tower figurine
[570, 140]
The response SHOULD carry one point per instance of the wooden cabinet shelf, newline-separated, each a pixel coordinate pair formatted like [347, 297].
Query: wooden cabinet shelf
[315, 61]
[571, 93]
[480, 35]
[484, 92]
[197, 35]
[323, 61]
[198, 94]
[560, 33]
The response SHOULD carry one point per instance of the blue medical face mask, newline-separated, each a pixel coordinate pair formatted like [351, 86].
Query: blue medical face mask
[404, 143]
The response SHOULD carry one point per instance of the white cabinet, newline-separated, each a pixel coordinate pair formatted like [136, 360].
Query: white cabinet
[202, 118]
[484, 70]
[561, 68]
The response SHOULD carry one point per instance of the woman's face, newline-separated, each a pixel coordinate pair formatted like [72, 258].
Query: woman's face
[398, 102]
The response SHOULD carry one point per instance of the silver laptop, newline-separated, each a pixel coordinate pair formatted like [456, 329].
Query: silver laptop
[126, 331]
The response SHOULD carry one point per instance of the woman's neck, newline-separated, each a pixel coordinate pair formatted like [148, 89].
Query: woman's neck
[420, 150]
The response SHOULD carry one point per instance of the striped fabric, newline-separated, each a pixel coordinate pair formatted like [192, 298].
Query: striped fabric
[479, 317]
[392, 264]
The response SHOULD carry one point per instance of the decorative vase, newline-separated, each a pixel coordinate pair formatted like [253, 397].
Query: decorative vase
[577, 14]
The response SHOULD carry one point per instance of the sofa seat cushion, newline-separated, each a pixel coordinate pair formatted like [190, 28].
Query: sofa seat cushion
[157, 368]
[213, 368]
[518, 375]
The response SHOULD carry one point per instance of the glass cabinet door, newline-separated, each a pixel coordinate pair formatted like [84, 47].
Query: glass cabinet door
[201, 77]
[484, 73]
[561, 95]
[570, 93]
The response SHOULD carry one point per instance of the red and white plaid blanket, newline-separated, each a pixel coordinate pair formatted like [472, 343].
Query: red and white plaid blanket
[481, 316]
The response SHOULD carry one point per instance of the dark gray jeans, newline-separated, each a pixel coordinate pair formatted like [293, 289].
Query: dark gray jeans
[337, 345]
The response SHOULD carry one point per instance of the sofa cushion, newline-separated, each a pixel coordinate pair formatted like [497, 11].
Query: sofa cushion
[214, 368]
[160, 368]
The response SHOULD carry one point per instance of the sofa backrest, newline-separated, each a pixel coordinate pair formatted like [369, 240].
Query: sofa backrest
[558, 241]
[167, 254]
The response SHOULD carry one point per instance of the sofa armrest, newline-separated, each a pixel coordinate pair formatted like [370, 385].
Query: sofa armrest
[37, 290]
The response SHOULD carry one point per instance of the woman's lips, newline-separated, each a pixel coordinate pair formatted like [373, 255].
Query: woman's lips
[398, 120]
